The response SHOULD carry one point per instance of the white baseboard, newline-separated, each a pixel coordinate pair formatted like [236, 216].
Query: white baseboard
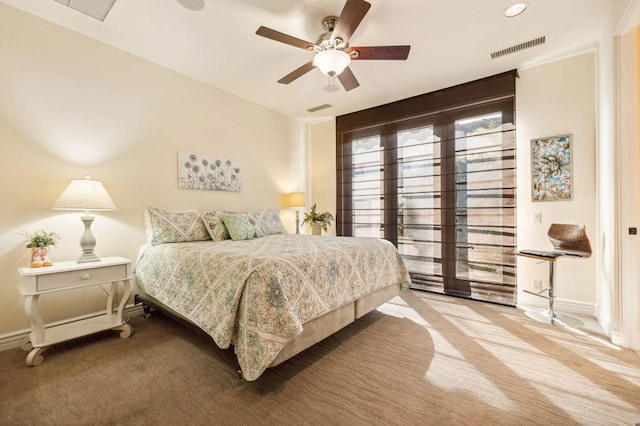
[528, 301]
[12, 339]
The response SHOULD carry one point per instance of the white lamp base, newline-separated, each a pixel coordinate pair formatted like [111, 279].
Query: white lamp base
[87, 242]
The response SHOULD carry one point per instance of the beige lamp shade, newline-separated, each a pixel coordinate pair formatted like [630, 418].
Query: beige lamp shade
[85, 194]
[295, 200]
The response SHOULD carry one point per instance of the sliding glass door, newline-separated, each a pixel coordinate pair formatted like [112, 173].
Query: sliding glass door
[456, 198]
[441, 187]
[483, 221]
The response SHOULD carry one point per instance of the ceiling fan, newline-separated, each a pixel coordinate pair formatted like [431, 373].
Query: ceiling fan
[333, 55]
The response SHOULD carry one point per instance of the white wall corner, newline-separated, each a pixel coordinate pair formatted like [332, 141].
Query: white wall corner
[606, 326]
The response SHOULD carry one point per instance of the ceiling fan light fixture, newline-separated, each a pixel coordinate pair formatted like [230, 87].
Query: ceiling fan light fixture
[332, 62]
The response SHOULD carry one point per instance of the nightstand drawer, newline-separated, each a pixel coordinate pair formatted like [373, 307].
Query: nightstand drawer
[81, 277]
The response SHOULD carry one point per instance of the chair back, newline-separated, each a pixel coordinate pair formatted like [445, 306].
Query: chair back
[569, 239]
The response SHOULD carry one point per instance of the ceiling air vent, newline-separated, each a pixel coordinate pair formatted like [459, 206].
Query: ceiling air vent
[319, 108]
[98, 9]
[518, 47]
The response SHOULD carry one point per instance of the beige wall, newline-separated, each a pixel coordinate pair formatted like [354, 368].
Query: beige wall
[322, 167]
[552, 99]
[70, 106]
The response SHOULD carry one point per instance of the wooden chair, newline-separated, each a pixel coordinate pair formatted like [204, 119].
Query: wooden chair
[566, 240]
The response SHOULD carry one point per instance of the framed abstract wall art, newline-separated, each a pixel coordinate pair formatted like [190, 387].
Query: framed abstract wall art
[551, 178]
[196, 171]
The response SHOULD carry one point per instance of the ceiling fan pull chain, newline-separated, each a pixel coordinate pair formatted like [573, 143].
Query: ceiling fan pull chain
[332, 84]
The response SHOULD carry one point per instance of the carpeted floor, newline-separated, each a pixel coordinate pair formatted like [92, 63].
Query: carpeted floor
[424, 359]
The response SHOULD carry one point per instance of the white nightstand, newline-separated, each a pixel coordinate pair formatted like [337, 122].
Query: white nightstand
[64, 276]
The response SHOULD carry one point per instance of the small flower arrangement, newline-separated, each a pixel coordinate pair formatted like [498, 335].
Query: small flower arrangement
[41, 239]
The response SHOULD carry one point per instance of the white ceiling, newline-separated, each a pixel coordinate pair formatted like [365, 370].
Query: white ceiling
[450, 43]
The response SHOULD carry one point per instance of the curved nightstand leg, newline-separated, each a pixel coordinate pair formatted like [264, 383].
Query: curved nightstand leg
[127, 283]
[125, 330]
[37, 335]
[35, 356]
[25, 343]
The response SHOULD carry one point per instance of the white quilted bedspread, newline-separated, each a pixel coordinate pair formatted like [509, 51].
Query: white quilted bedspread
[257, 294]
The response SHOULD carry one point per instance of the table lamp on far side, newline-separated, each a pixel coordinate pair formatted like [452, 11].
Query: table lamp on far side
[86, 194]
[295, 200]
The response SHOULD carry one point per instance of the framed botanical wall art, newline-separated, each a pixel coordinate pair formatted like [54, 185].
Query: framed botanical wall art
[551, 178]
[196, 171]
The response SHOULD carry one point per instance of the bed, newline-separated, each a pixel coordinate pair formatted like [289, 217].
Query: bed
[272, 296]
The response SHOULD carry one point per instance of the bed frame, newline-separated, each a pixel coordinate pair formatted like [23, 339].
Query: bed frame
[314, 330]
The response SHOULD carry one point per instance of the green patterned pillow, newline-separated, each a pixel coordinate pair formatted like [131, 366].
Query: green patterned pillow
[176, 227]
[266, 222]
[215, 226]
[238, 226]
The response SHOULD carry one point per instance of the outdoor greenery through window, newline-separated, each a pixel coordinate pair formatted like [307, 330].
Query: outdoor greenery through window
[435, 175]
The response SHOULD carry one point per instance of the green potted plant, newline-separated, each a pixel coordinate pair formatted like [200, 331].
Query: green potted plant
[317, 221]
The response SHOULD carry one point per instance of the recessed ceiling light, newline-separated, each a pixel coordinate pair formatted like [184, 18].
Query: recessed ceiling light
[195, 5]
[515, 9]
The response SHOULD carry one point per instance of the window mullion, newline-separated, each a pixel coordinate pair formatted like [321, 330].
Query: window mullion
[390, 187]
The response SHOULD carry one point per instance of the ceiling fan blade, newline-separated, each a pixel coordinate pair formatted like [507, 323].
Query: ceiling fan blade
[299, 72]
[380, 52]
[350, 18]
[348, 80]
[284, 38]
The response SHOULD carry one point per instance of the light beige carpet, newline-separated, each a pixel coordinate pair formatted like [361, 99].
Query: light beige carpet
[424, 359]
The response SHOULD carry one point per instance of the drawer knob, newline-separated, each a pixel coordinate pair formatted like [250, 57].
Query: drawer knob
[85, 276]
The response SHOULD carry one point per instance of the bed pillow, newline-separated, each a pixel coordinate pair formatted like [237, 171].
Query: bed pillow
[265, 222]
[215, 226]
[176, 227]
[238, 226]
[148, 229]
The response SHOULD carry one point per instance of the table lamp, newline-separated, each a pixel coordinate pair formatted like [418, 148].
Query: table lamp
[86, 194]
[295, 200]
